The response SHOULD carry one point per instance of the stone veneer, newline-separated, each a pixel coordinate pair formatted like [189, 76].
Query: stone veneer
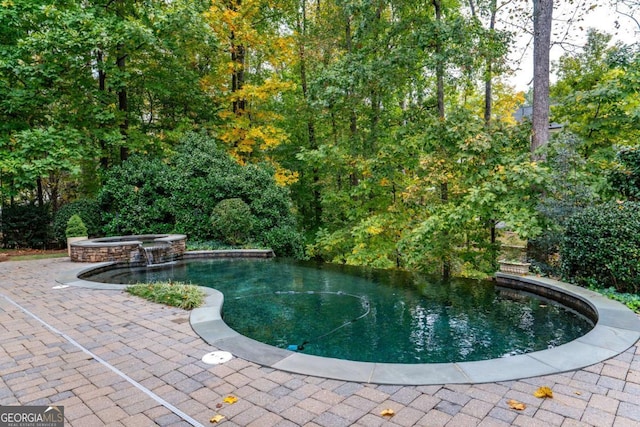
[127, 248]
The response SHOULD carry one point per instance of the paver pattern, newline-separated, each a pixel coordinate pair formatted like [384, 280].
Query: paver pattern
[113, 359]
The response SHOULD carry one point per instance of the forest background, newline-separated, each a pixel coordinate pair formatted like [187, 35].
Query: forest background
[378, 133]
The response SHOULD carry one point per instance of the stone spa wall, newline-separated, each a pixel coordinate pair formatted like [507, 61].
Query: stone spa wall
[129, 248]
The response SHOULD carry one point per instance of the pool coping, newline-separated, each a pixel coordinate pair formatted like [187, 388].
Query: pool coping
[617, 328]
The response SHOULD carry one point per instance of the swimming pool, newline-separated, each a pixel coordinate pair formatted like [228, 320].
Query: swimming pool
[368, 315]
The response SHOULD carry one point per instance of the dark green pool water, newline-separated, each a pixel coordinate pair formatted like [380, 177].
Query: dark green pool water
[371, 315]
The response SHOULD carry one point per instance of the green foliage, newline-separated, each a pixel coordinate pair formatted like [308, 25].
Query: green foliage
[596, 93]
[212, 245]
[75, 227]
[396, 216]
[569, 188]
[83, 83]
[35, 153]
[150, 196]
[175, 294]
[232, 221]
[344, 95]
[88, 210]
[625, 173]
[285, 240]
[26, 226]
[602, 244]
[135, 197]
[490, 178]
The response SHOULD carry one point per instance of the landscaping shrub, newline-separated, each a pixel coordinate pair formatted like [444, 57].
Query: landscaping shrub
[602, 244]
[88, 210]
[285, 240]
[625, 175]
[135, 198]
[151, 196]
[232, 221]
[75, 227]
[206, 175]
[26, 226]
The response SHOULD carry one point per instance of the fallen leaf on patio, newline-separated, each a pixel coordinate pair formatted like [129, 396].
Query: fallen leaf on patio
[514, 404]
[387, 413]
[219, 405]
[216, 419]
[578, 393]
[230, 400]
[543, 392]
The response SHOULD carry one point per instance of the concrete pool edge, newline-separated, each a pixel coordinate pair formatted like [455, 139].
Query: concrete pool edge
[617, 329]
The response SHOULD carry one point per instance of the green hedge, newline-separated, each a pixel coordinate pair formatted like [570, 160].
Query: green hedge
[601, 247]
[89, 212]
[180, 195]
[26, 226]
[625, 174]
[232, 221]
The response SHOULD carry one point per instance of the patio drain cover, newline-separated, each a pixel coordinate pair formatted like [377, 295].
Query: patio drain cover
[216, 357]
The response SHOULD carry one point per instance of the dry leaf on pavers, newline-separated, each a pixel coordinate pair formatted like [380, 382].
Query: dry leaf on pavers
[543, 392]
[578, 393]
[387, 413]
[230, 400]
[514, 404]
[216, 419]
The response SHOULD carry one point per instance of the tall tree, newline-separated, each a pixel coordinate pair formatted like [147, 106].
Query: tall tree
[542, 23]
[63, 79]
[597, 94]
[252, 75]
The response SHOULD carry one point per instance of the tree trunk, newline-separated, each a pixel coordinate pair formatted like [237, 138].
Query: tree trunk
[311, 129]
[439, 64]
[54, 184]
[353, 119]
[123, 105]
[444, 186]
[488, 79]
[40, 193]
[237, 77]
[542, 22]
[102, 87]
[238, 55]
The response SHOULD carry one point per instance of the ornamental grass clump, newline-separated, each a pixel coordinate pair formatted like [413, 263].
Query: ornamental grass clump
[175, 294]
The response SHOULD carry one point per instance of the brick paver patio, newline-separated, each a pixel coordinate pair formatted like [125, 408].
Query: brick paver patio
[113, 359]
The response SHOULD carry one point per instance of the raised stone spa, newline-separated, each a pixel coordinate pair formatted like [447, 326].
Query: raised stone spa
[147, 248]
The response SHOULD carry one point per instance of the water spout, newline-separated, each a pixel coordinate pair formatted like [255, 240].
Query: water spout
[154, 254]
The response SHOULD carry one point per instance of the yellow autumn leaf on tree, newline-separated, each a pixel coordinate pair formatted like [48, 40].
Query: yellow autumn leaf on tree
[285, 177]
[374, 230]
[543, 392]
